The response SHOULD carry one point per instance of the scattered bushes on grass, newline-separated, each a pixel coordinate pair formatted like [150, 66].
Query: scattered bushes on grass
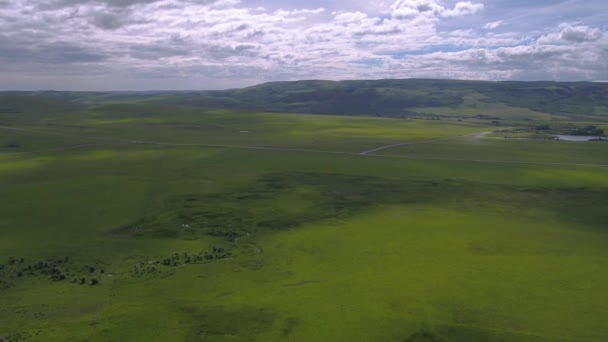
[178, 259]
[55, 269]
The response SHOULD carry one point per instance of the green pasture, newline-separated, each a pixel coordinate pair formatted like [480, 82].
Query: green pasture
[164, 124]
[195, 243]
[18, 142]
[501, 149]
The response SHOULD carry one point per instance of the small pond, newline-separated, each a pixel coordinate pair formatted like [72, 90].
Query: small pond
[578, 137]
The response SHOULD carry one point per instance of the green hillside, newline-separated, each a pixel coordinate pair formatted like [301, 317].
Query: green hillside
[393, 98]
[411, 97]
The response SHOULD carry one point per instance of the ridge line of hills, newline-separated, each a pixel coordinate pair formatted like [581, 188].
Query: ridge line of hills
[386, 97]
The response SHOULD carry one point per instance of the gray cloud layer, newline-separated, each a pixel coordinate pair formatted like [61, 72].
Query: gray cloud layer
[185, 44]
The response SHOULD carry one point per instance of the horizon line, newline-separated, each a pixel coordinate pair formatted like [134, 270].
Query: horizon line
[303, 80]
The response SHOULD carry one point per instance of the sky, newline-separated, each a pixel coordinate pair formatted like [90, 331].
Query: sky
[218, 44]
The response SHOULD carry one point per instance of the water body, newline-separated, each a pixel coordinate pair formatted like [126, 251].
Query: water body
[578, 137]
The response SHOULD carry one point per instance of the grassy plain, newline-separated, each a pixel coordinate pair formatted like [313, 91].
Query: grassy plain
[500, 149]
[308, 244]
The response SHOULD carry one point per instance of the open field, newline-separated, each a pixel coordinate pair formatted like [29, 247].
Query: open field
[489, 148]
[171, 223]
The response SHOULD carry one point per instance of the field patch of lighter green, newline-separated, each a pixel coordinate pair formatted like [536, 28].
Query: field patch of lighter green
[473, 104]
[405, 268]
[601, 110]
[10, 165]
[330, 246]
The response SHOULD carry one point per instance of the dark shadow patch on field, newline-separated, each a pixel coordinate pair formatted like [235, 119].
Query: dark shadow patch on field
[424, 335]
[218, 322]
[450, 333]
[188, 126]
[282, 201]
[487, 248]
[581, 207]
[252, 264]
[303, 283]
[278, 202]
[289, 325]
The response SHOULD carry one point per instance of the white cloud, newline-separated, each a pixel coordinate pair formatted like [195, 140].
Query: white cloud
[411, 8]
[493, 25]
[579, 34]
[572, 34]
[214, 43]
[463, 8]
[404, 9]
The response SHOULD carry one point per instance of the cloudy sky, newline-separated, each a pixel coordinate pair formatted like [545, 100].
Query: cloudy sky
[212, 44]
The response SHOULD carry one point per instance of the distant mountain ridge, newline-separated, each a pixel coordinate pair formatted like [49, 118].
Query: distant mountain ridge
[387, 97]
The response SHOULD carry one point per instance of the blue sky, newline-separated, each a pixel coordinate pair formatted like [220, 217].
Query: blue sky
[214, 44]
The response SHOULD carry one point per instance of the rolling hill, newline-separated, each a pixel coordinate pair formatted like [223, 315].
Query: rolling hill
[391, 97]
